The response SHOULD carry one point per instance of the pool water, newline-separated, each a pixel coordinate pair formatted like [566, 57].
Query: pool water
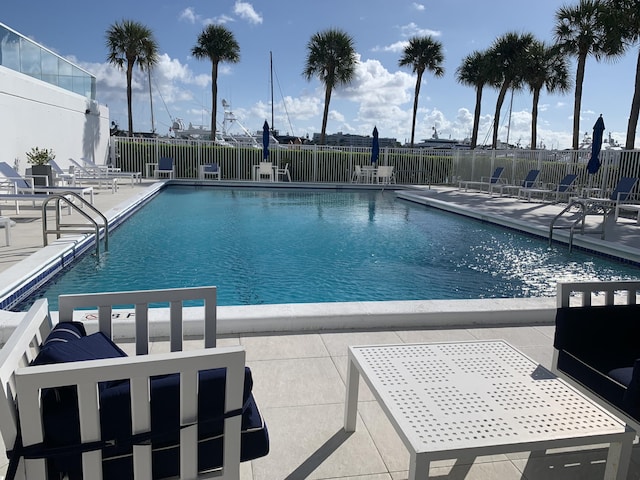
[268, 246]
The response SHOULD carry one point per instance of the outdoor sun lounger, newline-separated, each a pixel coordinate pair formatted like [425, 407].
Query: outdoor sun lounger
[620, 194]
[82, 175]
[30, 197]
[110, 171]
[565, 187]
[61, 175]
[19, 185]
[528, 182]
[490, 182]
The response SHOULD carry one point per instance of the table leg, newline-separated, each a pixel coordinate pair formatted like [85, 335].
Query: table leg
[418, 466]
[619, 457]
[351, 400]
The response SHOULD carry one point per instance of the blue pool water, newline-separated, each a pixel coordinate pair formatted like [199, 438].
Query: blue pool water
[266, 246]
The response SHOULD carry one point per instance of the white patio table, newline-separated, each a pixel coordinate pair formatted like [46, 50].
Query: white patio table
[452, 400]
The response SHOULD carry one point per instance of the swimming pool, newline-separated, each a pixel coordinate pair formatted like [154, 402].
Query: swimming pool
[288, 246]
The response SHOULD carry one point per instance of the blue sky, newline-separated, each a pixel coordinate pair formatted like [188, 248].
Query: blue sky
[381, 94]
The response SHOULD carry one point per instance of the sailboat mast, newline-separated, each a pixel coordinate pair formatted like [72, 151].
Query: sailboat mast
[271, 72]
[153, 126]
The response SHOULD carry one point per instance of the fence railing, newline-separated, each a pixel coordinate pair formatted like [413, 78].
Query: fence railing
[324, 164]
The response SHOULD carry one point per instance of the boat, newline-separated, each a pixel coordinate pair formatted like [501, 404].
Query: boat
[443, 143]
[608, 143]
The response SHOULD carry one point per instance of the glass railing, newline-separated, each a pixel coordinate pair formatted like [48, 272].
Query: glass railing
[25, 56]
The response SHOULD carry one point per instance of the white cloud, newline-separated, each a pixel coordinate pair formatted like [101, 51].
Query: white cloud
[394, 47]
[246, 11]
[412, 30]
[418, 6]
[189, 15]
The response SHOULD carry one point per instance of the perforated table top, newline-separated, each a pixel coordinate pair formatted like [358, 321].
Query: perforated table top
[466, 395]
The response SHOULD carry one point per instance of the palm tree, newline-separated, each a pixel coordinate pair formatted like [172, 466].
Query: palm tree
[508, 59]
[217, 43]
[580, 32]
[622, 20]
[331, 57]
[421, 54]
[546, 68]
[475, 71]
[131, 42]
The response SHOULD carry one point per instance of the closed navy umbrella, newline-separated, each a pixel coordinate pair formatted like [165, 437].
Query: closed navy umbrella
[265, 140]
[598, 131]
[375, 146]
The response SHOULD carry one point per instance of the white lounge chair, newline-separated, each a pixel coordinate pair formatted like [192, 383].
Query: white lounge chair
[489, 182]
[114, 172]
[16, 184]
[82, 176]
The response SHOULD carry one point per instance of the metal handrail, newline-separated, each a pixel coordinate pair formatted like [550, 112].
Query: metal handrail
[571, 227]
[74, 227]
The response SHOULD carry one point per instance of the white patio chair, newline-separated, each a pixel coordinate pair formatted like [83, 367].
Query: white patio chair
[187, 374]
[165, 168]
[265, 169]
[209, 171]
[385, 175]
[357, 175]
[283, 172]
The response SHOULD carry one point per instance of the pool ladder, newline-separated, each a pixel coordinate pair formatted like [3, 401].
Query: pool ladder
[92, 227]
[578, 223]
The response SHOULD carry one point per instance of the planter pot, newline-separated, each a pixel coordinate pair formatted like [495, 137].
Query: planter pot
[39, 173]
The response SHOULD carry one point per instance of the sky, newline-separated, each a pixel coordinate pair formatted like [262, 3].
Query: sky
[381, 93]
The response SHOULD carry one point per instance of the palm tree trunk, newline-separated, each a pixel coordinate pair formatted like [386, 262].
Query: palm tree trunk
[416, 95]
[534, 118]
[496, 117]
[635, 110]
[214, 99]
[476, 118]
[582, 60]
[325, 115]
[129, 96]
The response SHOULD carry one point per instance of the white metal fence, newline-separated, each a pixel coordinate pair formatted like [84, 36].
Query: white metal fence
[323, 164]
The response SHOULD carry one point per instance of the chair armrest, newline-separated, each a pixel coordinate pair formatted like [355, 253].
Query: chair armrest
[86, 376]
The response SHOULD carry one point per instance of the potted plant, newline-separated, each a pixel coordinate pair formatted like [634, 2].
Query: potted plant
[39, 159]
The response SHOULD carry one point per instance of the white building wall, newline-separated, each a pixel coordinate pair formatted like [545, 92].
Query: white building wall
[34, 113]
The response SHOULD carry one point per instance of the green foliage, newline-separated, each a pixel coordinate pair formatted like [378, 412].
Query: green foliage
[38, 156]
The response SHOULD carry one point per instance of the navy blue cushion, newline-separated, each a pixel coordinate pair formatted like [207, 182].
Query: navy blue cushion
[597, 346]
[66, 332]
[61, 423]
[61, 349]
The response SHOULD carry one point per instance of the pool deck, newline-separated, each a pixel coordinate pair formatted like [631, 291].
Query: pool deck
[300, 376]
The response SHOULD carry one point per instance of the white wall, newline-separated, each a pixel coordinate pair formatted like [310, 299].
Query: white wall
[36, 114]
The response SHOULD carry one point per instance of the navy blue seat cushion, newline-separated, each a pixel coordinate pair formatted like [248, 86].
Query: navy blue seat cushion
[629, 377]
[596, 345]
[61, 423]
[65, 332]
